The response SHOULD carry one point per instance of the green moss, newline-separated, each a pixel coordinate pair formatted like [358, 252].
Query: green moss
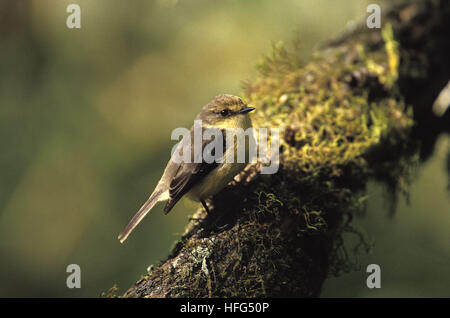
[334, 113]
[326, 122]
[111, 293]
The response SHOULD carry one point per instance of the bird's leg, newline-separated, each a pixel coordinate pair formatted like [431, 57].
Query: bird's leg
[214, 227]
[205, 206]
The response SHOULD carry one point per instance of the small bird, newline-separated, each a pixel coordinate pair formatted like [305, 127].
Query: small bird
[199, 179]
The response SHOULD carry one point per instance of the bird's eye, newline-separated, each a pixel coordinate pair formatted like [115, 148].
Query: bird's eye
[224, 112]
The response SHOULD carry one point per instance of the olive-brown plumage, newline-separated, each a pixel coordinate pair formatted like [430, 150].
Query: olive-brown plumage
[199, 180]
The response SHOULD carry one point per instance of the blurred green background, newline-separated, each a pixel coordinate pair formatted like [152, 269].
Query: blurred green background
[85, 122]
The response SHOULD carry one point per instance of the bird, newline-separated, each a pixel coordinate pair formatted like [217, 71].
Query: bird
[201, 179]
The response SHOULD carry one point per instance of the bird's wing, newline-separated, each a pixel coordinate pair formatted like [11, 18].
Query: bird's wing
[178, 178]
[191, 173]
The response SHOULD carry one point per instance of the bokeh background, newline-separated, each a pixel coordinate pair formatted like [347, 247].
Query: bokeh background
[85, 122]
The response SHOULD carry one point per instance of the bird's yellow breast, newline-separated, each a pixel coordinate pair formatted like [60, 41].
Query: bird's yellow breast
[219, 177]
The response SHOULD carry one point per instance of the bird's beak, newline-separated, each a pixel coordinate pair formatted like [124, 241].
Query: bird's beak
[246, 110]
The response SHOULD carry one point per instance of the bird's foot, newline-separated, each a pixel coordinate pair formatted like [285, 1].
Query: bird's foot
[205, 206]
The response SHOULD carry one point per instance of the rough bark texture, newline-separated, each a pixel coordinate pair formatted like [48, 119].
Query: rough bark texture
[344, 118]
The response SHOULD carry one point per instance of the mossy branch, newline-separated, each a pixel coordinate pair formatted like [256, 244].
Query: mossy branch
[345, 118]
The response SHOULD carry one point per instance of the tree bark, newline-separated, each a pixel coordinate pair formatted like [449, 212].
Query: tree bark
[345, 117]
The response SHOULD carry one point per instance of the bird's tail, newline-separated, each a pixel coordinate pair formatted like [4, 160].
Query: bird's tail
[154, 198]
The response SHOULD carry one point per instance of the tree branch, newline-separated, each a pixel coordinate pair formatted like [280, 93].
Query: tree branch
[344, 119]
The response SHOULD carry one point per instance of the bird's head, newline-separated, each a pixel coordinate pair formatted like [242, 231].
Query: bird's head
[226, 111]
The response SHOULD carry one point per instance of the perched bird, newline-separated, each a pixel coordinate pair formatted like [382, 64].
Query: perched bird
[200, 179]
